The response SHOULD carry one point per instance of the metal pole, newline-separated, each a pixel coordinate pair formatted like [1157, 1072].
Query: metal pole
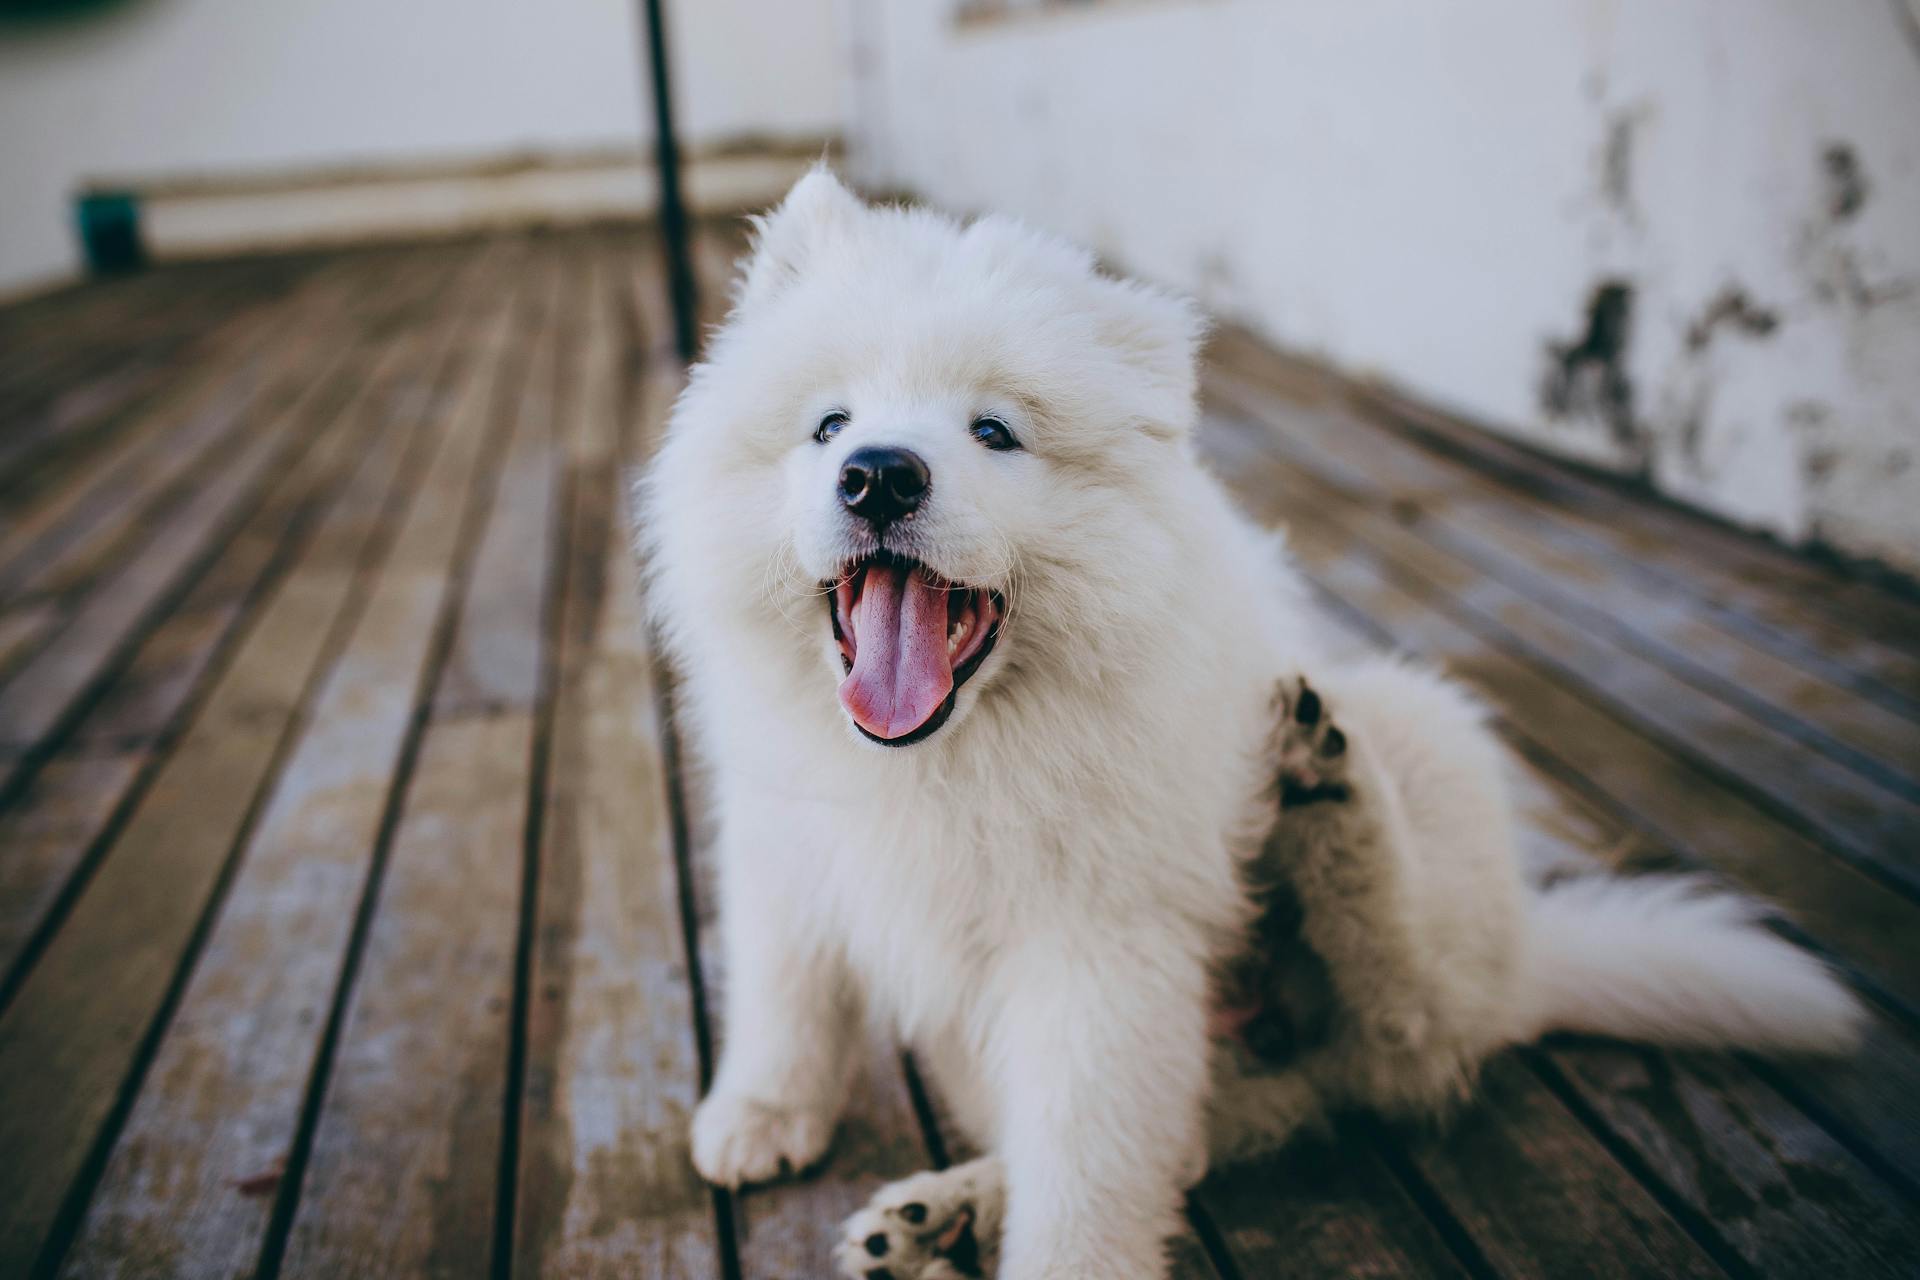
[673, 214]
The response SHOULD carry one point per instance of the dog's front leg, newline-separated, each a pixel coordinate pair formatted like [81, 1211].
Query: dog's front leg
[791, 1014]
[1102, 1068]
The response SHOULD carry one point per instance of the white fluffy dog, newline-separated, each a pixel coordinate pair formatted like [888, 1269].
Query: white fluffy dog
[1021, 746]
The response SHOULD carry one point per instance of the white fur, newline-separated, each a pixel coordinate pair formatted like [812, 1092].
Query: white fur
[1037, 897]
[1666, 959]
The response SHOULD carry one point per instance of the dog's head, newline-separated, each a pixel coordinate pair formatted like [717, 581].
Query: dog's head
[927, 452]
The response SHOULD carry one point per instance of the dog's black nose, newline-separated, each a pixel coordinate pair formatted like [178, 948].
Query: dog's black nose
[882, 484]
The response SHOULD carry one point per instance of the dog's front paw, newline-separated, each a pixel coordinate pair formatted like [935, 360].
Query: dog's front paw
[1312, 749]
[939, 1225]
[738, 1140]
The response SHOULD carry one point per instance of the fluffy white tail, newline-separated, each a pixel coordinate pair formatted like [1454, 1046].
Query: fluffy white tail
[1665, 960]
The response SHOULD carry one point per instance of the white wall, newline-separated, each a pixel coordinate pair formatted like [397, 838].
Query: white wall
[1432, 192]
[189, 88]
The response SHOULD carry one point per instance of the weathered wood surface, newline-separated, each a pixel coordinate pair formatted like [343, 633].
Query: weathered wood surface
[604, 1185]
[354, 903]
[74, 380]
[73, 1027]
[148, 699]
[229, 1080]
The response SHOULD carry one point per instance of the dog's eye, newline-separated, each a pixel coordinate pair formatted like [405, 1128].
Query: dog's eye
[830, 426]
[993, 433]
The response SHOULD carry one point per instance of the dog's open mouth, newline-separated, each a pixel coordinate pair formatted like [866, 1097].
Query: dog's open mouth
[908, 640]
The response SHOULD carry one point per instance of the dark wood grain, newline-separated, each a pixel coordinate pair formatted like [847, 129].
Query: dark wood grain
[403, 1176]
[70, 403]
[228, 1081]
[605, 1184]
[38, 539]
[117, 954]
[1322, 1207]
[1847, 630]
[1469, 517]
[1538, 1196]
[144, 704]
[1858, 815]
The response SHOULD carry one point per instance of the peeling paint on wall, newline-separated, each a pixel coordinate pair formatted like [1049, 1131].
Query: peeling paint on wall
[1587, 378]
[1619, 144]
[1846, 184]
[1731, 308]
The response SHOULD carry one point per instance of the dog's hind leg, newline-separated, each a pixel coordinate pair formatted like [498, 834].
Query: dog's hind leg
[1251, 1113]
[938, 1225]
[1343, 844]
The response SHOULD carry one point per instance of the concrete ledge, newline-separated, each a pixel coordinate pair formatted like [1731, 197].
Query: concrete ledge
[210, 217]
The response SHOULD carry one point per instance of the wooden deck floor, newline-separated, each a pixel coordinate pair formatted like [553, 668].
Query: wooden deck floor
[352, 917]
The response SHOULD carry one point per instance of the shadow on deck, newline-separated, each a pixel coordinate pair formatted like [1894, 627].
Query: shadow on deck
[353, 920]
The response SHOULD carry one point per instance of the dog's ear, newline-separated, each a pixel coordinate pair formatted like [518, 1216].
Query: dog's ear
[817, 211]
[1158, 335]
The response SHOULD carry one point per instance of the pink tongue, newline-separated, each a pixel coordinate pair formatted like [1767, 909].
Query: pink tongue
[900, 670]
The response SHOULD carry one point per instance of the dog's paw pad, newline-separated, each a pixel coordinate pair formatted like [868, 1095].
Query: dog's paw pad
[926, 1227]
[1312, 748]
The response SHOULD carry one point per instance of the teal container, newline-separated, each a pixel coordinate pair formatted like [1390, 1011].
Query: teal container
[109, 225]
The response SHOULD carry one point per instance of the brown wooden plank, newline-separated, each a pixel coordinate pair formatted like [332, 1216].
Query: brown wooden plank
[498, 650]
[69, 1038]
[44, 691]
[27, 520]
[223, 1096]
[146, 701]
[637, 269]
[605, 1184]
[103, 325]
[1653, 789]
[402, 1178]
[145, 357]
[1871, 1098]
[1660, 794]
[1758, 1172]
[85, 411]
[1322, 1208]
[1805, 612]
[1478, 523]
[718, 243]
[403, 1175]
[1863, 818]
[1779, 1190]
[22, 629]
[1538, 1196]
[1704, 553]
[43, 833]
[63, 540]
